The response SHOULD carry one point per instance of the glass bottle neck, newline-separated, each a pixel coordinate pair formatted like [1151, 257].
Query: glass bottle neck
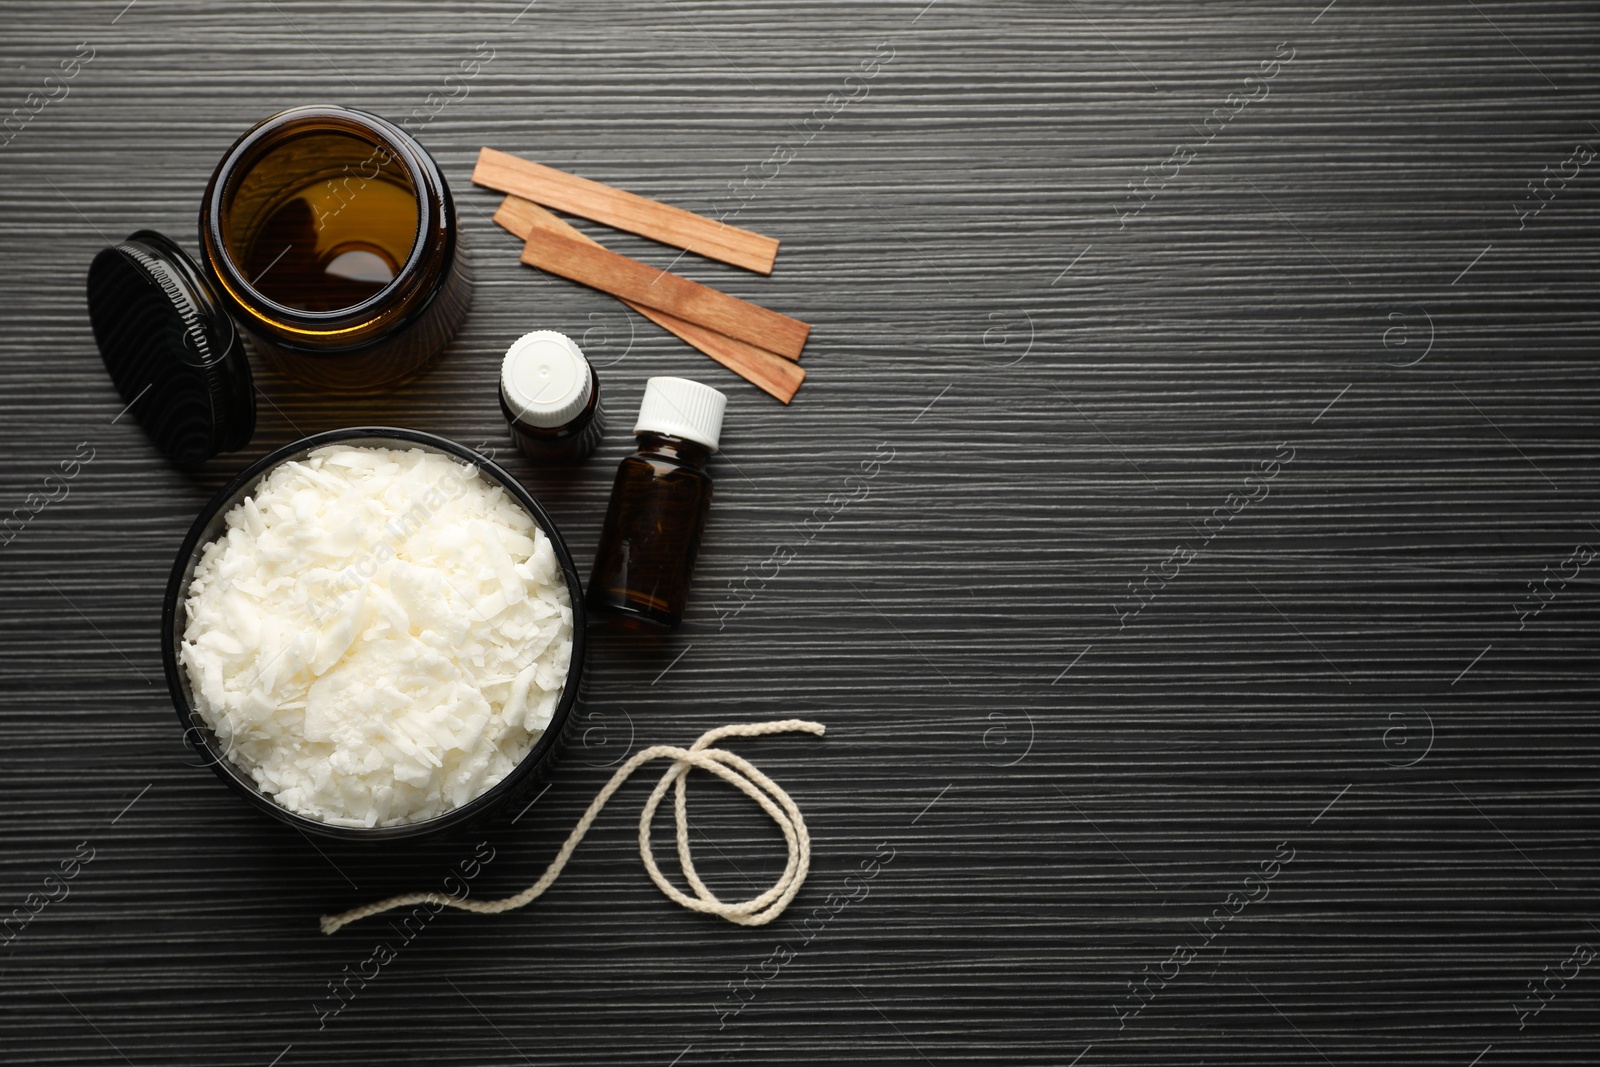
[687, 452]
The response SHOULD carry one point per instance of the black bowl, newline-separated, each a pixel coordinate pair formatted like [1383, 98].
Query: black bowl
[526, 776]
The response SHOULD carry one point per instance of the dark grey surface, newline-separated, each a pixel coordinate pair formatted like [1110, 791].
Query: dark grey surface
[1341, 673]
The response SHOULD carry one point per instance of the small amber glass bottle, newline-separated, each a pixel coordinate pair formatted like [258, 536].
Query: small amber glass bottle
[331, 235]
[551, 397]
[658, 507]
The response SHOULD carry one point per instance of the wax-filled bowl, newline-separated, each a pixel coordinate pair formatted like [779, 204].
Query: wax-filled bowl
[524, 777]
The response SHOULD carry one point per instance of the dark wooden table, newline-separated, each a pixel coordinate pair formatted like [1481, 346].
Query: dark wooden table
[1209, 662]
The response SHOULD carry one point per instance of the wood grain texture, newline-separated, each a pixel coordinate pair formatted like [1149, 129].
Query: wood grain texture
[766, 370]
[1023, 396]
[638, 282]
[625, 211]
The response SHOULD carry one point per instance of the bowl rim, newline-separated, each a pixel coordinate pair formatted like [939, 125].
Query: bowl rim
[201, 736]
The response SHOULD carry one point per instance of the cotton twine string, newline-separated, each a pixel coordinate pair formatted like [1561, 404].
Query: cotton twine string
[756, 911]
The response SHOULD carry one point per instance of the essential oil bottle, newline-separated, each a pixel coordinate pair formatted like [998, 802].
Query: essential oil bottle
[658, 507]
[551, 397]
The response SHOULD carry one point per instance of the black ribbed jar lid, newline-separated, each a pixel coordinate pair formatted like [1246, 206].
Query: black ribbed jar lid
[172, 351]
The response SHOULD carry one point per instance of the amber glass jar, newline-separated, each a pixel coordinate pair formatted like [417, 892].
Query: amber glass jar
[332, 237]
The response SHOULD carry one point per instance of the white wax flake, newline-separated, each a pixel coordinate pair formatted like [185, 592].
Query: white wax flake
[378, 636]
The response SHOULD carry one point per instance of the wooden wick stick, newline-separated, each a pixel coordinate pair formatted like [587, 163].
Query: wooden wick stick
[766, 370]
[625, 211]
[641, 283]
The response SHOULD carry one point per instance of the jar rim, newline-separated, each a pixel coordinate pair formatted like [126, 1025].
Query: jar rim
[278, 130]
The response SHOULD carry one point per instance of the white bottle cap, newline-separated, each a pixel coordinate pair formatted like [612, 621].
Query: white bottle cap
[682, 408]
[545, 379]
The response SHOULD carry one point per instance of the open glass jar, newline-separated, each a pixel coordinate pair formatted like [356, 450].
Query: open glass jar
[331, 237]
[328, 239]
